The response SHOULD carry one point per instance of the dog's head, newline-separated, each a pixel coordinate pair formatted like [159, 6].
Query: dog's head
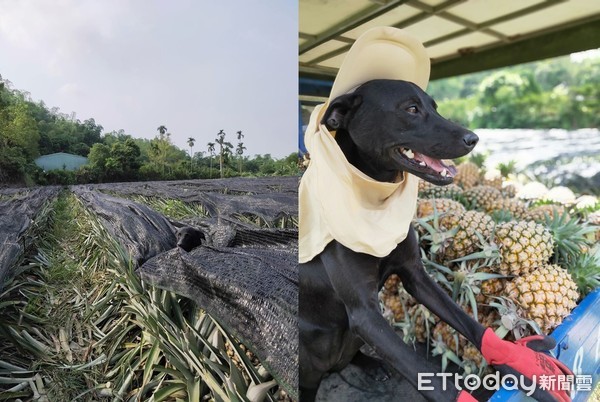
[386, 126]
[188, 238]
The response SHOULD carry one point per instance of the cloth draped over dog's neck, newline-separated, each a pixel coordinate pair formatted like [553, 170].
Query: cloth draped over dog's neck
[338, 201]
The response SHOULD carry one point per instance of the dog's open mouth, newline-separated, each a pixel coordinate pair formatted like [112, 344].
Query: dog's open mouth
[426, 165]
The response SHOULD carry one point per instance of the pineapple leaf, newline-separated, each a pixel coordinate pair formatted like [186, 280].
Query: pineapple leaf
[569, 236]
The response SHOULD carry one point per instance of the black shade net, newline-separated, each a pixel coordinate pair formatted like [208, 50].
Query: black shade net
[18, 209]
[244, 276]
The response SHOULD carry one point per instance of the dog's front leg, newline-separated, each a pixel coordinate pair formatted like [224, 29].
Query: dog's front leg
[405, 261]
[355, 279]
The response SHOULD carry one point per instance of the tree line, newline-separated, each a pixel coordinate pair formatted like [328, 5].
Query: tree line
[553, 93]
[29, 129]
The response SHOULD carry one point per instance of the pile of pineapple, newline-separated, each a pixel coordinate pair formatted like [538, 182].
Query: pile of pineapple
[518, 258]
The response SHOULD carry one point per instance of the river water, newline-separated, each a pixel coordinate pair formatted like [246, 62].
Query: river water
[555, 154]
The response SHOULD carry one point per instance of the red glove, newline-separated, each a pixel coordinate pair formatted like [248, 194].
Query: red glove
[525, 357]
[464, 396]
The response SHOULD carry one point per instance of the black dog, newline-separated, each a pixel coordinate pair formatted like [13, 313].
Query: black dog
[189, 238]
[384, 127]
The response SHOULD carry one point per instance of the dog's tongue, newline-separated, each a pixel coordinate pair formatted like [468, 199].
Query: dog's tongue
[436, 164]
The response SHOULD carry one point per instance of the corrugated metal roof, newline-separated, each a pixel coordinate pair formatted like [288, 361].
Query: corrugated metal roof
[460, 36]
[61, 161]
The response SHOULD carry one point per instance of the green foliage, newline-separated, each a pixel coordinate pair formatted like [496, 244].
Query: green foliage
[117, 162]
[556, 93]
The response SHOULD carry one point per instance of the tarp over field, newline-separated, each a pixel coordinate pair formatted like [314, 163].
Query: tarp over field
[18, 208]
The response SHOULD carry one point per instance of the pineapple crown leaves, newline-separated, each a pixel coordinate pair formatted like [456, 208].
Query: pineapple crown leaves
[479, 158]
[437, 236]
[513, 319]
[489, 252]
[465, 283]
[585, 271]
[502, 215]
[440, 348]
[428, 321]
[507, 168]
[406, 327]
[569, 235]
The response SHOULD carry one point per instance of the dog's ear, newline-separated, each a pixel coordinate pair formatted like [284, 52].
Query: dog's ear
[340, 108]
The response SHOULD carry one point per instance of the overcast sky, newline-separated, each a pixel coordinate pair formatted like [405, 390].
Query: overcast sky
[195, 66]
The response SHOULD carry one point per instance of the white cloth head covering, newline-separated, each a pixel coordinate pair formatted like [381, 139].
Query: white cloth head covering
[337, 201]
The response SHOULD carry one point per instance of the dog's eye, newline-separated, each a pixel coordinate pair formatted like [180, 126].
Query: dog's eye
[412, 109]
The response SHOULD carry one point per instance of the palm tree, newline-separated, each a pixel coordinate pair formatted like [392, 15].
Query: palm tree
[211, 151]
[190, 142]
[161, 129]
[224, 148]
[240, 151]
[240, 135]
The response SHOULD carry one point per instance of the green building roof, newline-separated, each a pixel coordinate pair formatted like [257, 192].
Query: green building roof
[61, 161]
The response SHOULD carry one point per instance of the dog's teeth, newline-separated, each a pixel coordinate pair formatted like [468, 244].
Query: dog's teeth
[422, 163]
[409, 153]
[444, 173]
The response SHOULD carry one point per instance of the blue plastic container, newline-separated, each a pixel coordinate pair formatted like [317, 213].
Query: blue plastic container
[578, 346]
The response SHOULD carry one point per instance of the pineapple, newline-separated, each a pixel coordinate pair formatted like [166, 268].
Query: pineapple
[467, 175]
[471, 354]
[523, 246]
[490, 288]
[428, 190]
[443, 206]
[509, 190]
[516, 208]
[492, 178]
[396, 299]
[547, 295]
[594, 219]
[539, 213]
[443, 332]
[470, 228]
[422, 321]
[482, 197]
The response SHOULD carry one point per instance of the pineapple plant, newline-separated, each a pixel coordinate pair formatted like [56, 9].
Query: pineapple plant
[547, 295]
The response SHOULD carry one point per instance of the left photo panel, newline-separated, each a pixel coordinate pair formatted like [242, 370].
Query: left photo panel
[149, 178]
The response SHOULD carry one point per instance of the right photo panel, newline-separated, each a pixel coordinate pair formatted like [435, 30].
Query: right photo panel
[449, 219]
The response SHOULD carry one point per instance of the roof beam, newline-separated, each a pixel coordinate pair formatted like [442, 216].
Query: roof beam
[559, 42]
[352, 22]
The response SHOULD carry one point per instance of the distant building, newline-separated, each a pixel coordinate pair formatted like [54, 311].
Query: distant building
[61, 161]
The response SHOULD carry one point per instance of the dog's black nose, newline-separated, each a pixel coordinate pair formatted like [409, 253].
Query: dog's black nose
[471, 140]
